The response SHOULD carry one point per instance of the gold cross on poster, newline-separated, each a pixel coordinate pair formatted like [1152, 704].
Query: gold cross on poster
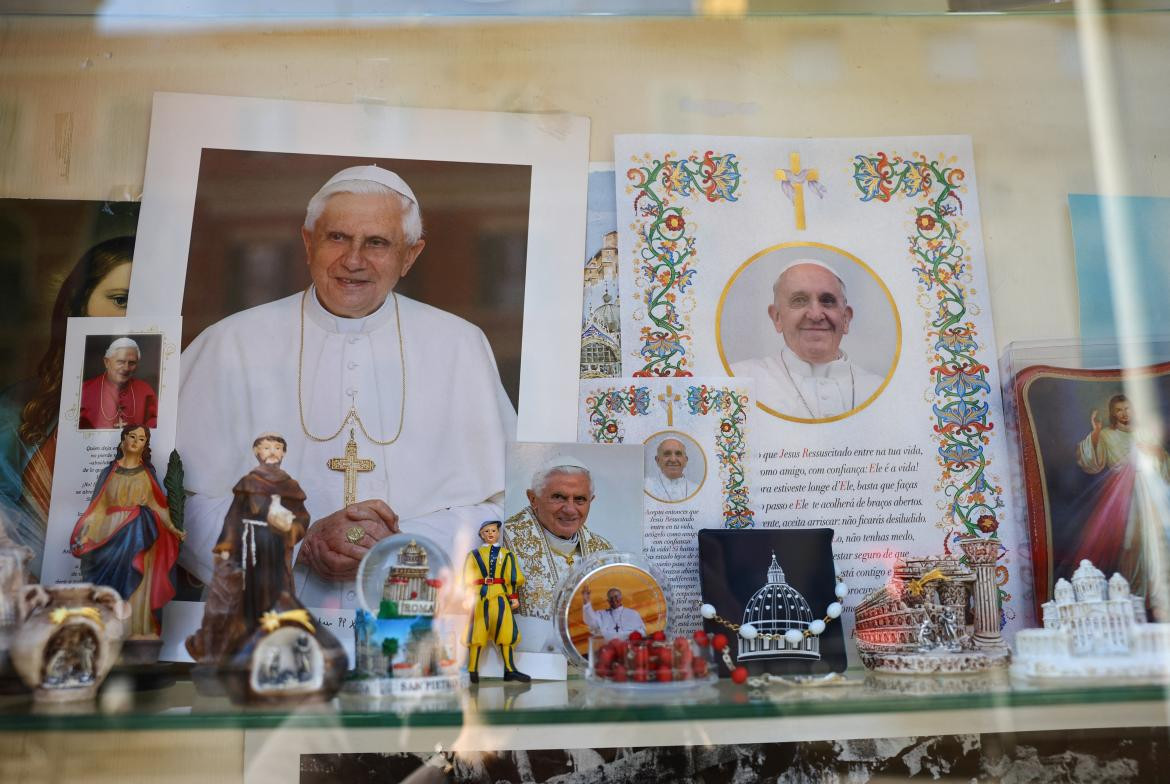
[669, 399]
[351, 464]
[793, 180]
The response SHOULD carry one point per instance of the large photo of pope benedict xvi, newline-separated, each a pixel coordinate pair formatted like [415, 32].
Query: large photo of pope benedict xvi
[353, 302]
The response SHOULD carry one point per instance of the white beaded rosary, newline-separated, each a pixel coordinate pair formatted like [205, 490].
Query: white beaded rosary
[793, 637]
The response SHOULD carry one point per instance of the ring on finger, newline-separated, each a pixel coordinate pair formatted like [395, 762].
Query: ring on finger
[354, 534]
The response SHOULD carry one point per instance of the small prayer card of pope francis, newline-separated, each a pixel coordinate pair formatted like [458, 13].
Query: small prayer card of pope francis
[695, 434]
[847, 278]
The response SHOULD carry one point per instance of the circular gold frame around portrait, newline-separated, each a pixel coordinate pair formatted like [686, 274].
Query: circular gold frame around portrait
[842, 255]
[678, 434]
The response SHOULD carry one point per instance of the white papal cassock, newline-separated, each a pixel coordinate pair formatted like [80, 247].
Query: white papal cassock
[612, 622]
[443, 476]
[790, 386]
[660, 488]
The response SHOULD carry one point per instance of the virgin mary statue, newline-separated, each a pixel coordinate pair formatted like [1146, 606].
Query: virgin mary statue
[125, 538]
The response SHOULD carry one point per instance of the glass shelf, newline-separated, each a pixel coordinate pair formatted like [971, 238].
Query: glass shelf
[176, 704]
[224, 11]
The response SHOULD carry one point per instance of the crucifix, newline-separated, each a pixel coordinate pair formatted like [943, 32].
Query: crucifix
[669, 399]
[351, 464]
[792, 181]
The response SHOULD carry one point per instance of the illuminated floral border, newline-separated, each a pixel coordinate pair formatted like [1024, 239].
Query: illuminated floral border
[607, 406]
[730, 405]
[942, 268]
[664, 266]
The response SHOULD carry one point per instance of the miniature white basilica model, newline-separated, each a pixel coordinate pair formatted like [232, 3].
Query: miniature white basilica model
[1093, 629]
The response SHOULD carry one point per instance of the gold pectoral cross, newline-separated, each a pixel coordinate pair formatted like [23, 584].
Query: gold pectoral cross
[796, 178]
[669, 399]
[351, 464]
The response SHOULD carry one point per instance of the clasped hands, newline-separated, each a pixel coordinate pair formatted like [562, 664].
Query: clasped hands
[329, 552]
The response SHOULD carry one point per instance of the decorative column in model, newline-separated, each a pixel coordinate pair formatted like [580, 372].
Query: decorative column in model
[982, 555]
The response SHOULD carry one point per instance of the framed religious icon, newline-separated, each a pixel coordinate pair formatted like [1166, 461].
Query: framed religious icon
[1096, 473]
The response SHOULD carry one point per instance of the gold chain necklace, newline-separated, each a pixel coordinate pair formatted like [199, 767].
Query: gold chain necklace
[352, 416]
[117, 407]
[568, 557]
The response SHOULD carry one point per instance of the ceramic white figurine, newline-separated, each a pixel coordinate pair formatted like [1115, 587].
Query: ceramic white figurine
[1093, 629]
[288, 658]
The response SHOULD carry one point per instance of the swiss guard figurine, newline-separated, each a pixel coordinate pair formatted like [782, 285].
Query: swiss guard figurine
[492, 573]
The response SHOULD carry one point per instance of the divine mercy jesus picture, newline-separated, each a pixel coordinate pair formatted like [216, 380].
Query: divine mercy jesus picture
[1098, 477]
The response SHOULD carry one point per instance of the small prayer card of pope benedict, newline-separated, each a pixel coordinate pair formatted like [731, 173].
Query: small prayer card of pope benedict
[847, 278]
[118, 373]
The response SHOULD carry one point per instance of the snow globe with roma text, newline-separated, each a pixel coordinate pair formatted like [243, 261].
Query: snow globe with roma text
[407, 621]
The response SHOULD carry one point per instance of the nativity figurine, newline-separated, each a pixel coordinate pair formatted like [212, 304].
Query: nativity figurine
[14, 560]
[69, 639]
